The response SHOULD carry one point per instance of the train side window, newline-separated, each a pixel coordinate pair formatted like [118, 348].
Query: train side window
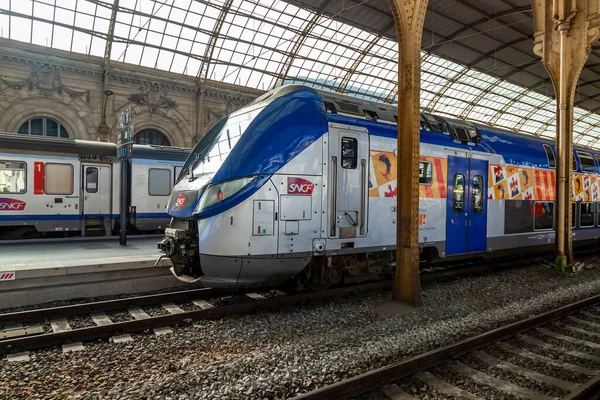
[458, 194]
[597, 160]
[587, 162]
[91, 180]
[477, 195]
[518, 216]
[58, 179]
[13, 176]
[349, 150]
[587, 214]
[550, 156]
[573, 214]
[159, 182]
[544, 215]
[425, 173]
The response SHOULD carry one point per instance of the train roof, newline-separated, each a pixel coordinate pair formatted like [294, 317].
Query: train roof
[381, 119]
[154, 152]
[45, 145]
[86, 149]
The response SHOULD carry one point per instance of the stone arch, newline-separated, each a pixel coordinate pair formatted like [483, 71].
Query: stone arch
[171, 123]
[19, 106]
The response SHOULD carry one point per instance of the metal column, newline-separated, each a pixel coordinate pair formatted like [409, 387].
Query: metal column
[409, 16]
[564, 32]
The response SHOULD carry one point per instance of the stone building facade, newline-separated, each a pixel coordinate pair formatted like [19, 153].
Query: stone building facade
[42, 83]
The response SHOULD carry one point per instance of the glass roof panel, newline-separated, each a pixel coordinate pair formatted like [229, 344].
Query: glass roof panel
[264, 43]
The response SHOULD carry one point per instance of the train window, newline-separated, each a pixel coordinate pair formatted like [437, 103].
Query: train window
[597, 159]
[91, 180]
[425, 173]
[544, 215]
[550, 156]
[58, 179]
[159, 182]
[587, 162]
[587, 213]
[458, 194]
[573, 214]
[477, 189]
[518, 216]
[13, 176]
[349, 150]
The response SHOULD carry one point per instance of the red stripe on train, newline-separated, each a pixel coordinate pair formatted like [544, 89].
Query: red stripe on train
[439, 173]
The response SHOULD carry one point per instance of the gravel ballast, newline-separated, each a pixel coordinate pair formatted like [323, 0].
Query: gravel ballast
[278, 354]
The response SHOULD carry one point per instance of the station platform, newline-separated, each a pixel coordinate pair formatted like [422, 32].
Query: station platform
[40, 271]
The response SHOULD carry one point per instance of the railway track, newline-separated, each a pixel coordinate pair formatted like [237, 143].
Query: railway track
[52, 326]
[44, 327]
[555, 355]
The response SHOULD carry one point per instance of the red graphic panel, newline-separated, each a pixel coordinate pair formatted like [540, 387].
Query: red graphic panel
[38, 178]
[7, 204]
[300, 186]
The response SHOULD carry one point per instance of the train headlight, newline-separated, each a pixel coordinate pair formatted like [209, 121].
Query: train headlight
[221, 191]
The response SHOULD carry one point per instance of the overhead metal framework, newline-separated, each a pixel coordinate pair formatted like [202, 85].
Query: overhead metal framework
[477, 64]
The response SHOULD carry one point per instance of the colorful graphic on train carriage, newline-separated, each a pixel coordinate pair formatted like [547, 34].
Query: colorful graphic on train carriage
[523, 183]
[383, 182]
[382, 174]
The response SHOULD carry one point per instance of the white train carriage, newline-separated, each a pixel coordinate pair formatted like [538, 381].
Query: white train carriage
[302, 184]
[50, 186]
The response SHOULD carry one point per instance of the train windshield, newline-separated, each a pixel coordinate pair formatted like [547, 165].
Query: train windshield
[212, 150]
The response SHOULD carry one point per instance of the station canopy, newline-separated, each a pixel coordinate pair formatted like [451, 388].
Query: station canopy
[478, 63]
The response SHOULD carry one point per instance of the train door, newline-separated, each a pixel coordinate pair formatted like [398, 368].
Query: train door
[466, 212]
[96, 191]
[348, 177]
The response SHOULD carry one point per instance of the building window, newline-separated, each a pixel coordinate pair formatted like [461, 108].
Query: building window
[151, 136]
[41, 126]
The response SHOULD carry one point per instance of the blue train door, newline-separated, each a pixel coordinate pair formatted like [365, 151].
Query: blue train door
[466, 211]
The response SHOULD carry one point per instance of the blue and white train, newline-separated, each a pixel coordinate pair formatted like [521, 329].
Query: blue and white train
[52, 186]
[302, 184]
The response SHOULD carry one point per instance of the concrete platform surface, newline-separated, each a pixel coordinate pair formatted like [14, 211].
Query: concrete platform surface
[40, 272]
[66, 253]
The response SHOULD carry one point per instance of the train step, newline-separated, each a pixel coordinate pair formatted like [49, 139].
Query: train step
[94, 226]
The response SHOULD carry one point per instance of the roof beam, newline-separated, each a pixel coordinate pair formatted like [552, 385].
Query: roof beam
[210, 47]
[455, 34]
[287, 64]
[490, 17]
[111, 32]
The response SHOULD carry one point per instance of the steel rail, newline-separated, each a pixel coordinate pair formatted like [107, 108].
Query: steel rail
[449, 271]
[86, 308]
[82, 334]
[373, 379]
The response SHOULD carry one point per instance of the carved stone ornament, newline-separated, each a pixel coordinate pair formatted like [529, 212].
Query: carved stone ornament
[214, 116]
[47, 81]
[153, 97]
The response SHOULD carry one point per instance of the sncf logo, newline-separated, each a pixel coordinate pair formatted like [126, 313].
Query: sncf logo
[300, 186]
[180, 201]
[11, 204]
